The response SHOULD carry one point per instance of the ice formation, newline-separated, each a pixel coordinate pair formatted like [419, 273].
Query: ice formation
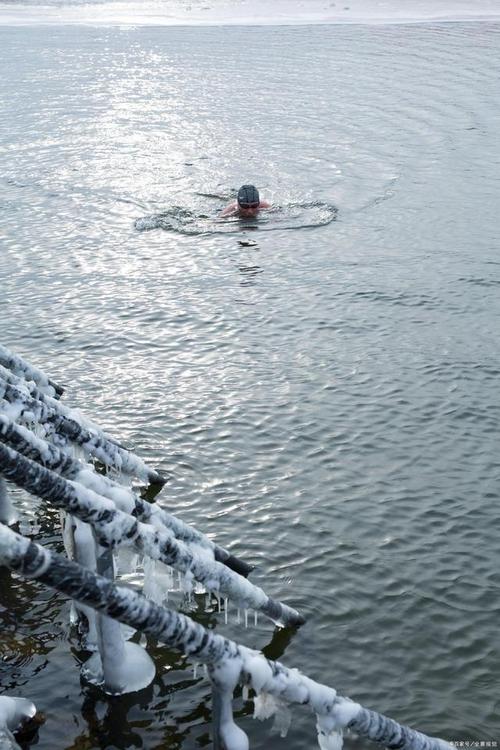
[118, 667]
[225, 675]
[114, 527]
[8, 514]
[105, 514]
[14, 712]
[229, 662]
[21, 407]
[51, 457]
[23, 369]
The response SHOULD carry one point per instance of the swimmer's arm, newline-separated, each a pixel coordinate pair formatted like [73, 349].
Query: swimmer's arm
[230, 210]
[264, 204]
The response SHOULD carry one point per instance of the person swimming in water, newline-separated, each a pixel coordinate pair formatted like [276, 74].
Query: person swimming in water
[247, 205]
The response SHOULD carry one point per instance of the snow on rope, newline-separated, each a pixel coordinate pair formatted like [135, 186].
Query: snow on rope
[23, 369]
[18, 405]
[53, 458]
[113, 527]
[230, 663]
[30, 389]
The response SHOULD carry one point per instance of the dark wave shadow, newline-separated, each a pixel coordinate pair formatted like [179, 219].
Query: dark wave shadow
[278, 218]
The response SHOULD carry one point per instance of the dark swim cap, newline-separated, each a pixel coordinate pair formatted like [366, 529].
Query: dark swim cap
[248, 196]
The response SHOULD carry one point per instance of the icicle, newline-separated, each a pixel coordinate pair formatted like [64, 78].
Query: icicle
[67, 534]
[84, 550]
[264, 706]
[283, 719]
[195, 671]
[246, 618]
[245, 692]
[329, 730]
[151, 588]
[226, 608]
[127, 561]
[267, 705]
[188, 583]
[199, 588]
[331, 741]
[255, 618]
[238, 616]
[8, 514]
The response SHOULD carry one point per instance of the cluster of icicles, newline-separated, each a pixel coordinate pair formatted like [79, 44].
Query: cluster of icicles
[51, 450]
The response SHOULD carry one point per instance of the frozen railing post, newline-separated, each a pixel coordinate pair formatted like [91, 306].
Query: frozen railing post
[119, 666]
[229, 662]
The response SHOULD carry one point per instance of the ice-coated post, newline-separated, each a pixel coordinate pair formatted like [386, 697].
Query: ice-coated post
[53, 458]
[114, 527]
[226, 657]
[23, 369]
[120, 666]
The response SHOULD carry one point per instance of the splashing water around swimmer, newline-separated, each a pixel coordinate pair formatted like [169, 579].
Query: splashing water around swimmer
[191, 222]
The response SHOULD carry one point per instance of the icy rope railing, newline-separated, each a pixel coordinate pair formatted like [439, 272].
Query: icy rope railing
[21, 368]
[22, 407]
[14, 713]
[113, 665]
[53, 458]
[30, 388]
[113, 527]
[229, 663]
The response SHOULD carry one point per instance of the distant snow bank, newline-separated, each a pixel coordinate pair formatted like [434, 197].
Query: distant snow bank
[245, 12]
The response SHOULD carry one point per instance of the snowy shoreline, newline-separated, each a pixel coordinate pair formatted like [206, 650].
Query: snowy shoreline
[248, 13]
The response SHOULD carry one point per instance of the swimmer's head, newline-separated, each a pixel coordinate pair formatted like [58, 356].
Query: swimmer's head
[248, 197]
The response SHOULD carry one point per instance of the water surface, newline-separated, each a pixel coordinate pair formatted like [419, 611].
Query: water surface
[325, 398]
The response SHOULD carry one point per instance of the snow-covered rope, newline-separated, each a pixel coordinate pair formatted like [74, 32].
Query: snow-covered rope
[229, 662]
[30, 388]
[53, 458]
[114, 527]
[19, 406]
[20, 367]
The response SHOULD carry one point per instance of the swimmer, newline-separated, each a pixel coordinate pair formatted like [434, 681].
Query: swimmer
[247, 205]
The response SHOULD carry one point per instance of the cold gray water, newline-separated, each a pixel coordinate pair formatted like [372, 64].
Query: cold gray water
[321, 384]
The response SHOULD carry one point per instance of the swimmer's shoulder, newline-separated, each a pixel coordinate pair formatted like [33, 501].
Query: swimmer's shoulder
[229, 210]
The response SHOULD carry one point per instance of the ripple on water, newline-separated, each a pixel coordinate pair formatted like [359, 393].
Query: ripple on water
[189, 222]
